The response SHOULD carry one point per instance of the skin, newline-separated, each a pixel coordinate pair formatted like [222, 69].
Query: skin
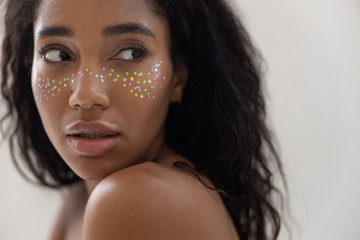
[139, 121]
[131, 191]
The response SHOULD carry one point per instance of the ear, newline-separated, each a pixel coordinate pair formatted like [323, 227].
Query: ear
[180, 78]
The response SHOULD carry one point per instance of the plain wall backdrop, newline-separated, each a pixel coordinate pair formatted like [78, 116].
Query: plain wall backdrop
[312, 54]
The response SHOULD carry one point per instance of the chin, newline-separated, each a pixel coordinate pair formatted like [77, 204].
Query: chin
[95, 168]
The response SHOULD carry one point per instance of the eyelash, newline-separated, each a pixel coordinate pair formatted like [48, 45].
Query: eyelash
[45, 49]
[132, 46]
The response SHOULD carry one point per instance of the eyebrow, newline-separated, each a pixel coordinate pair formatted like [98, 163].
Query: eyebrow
[127, 28]
[61, 31]
[56, 31]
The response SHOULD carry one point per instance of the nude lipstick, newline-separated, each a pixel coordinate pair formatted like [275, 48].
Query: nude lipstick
[92, 139]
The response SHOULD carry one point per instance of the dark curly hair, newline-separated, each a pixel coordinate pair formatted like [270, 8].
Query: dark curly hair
[220, 125]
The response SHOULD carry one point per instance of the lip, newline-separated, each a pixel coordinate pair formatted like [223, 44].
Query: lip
[92, 147]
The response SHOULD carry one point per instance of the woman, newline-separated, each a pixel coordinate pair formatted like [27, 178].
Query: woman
[150, 112]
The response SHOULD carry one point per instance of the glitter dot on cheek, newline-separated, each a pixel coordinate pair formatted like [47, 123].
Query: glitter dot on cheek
[139, 84]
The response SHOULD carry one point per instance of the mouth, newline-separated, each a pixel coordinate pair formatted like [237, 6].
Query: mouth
[92, 139]
[92, 135]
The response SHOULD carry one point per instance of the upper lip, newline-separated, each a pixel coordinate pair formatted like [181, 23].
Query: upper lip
[91, 128]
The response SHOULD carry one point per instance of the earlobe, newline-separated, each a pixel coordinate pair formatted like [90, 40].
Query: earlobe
[179, 81]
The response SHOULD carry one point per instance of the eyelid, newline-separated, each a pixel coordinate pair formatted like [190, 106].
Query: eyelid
[128, 46]
[42, 51]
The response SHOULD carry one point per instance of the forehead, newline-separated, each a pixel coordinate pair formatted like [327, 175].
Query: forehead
[93, 14]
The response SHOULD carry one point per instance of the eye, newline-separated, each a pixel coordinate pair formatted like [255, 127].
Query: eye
[131, 53]
[56, 55]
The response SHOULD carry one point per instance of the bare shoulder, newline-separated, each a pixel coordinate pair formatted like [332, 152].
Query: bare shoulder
[151, 201]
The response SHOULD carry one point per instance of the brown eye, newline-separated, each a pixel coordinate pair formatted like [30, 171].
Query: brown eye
[56, 55]
[130, 54]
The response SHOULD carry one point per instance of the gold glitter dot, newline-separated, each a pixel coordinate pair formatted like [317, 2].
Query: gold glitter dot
[131, 91]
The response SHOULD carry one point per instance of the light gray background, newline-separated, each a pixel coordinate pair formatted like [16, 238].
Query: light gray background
[312, 50]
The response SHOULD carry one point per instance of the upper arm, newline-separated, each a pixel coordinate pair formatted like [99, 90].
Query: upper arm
[136, 204]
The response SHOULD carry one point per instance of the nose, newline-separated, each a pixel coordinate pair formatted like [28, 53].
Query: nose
[87, 93]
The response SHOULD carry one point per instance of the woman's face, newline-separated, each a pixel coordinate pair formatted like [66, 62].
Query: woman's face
[102, 79]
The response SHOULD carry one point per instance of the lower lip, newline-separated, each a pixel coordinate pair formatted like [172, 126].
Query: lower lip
[92, 147]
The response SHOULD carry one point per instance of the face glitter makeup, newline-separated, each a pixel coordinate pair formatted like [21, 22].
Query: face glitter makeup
[138, 82]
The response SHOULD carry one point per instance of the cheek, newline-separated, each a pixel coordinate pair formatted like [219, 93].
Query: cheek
[143, 90]
[147, 84]
[142, 83]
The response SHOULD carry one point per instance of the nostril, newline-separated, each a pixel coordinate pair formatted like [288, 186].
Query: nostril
[88, 97]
